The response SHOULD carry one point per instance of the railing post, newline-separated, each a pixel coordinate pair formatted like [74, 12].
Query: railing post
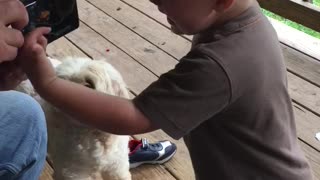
[300, 11]
[310, 1]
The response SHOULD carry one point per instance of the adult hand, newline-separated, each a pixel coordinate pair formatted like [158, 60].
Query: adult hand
[13, 18]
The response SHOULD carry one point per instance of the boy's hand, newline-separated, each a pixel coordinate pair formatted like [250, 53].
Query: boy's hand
[34, 61]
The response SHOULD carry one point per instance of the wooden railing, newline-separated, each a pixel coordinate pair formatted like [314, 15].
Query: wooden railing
[300, 11]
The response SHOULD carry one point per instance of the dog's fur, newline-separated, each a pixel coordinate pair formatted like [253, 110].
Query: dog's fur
[80, 152]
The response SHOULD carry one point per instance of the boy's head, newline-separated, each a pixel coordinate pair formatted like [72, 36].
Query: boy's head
[194, 16]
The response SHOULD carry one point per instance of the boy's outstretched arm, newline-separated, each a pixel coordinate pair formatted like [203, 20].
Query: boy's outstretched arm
[109, 113]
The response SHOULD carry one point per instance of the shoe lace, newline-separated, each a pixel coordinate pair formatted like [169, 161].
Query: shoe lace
[145, 145]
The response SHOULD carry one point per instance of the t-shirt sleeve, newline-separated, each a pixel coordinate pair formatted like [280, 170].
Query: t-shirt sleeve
[183, 98]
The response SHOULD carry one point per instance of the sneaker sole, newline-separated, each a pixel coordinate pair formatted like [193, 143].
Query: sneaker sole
[134, 165]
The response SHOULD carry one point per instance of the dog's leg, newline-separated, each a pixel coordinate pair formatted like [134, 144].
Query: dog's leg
[118, 167]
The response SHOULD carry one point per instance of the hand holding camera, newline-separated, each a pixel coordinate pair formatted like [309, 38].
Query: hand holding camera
[21, 17]
[13, 18]
[60, 15]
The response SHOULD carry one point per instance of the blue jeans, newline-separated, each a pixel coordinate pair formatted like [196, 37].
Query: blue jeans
[23, 137]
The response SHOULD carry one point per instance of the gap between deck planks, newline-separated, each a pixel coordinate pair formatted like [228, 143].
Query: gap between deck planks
[136, 56]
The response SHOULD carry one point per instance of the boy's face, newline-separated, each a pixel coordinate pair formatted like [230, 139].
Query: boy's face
[189, 16]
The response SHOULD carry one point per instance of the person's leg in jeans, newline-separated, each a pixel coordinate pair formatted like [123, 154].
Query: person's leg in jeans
[23, 137]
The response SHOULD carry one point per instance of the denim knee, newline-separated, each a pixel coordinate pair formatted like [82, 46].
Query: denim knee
[22, 110]
[23, 134]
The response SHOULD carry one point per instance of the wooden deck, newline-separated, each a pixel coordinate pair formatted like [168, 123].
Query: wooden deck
[142, 48]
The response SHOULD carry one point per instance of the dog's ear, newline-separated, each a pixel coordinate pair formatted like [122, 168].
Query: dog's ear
[119, 89]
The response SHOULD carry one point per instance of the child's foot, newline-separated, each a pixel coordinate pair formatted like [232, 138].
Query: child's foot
[141, 152]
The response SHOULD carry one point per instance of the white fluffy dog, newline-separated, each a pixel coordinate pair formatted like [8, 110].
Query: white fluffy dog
[80, 152]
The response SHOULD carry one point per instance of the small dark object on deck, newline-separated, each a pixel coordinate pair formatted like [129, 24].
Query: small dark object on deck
[149, 50]
[119, 8]
[164, 43]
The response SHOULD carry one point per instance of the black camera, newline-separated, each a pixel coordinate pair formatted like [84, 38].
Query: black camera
[60, 15]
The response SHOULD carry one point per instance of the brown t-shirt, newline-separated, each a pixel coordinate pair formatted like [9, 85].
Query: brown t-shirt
[228, 98]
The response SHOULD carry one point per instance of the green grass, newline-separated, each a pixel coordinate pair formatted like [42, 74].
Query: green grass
[293, 24]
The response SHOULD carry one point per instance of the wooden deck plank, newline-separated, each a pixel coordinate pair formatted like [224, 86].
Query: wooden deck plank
[314, 159]
[160, 36]
[150, 10]
[151, 172]
[304, 93]
[296, 39]
[307, 124]
[302, 65]
[47, 173]
[136, 76]
[63, 48]
[143, 173]
[143, 51]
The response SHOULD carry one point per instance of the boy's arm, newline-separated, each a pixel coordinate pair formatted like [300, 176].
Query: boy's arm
[108, 113]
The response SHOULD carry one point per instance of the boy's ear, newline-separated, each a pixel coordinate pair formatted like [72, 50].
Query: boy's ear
[223, 5]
